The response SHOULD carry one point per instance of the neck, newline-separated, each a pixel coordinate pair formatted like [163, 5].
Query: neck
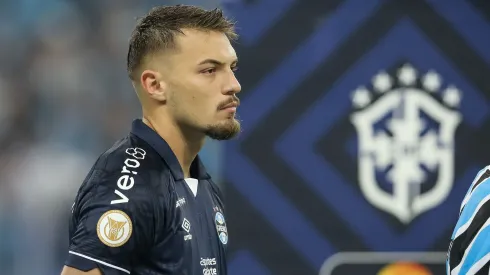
[184, 143]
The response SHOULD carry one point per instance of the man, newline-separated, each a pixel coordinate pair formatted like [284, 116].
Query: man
[469, 250]
[148, 206]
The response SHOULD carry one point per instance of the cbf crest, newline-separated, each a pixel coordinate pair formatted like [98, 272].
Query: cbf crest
[406, 123]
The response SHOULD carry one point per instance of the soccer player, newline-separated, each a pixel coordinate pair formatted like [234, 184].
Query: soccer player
[148, 206]
[469, 250]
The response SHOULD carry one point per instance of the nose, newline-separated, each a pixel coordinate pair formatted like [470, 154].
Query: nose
[232, 85]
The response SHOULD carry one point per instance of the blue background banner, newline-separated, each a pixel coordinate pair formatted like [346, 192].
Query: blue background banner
[294, 170]
[364, 123]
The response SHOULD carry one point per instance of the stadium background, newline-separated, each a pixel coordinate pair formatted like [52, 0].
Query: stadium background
[293, 180]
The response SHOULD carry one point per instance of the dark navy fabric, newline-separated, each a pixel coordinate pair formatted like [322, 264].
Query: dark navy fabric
[135, 214]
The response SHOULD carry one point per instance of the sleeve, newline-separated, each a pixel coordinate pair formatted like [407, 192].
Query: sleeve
[115, 222]
[469, 249]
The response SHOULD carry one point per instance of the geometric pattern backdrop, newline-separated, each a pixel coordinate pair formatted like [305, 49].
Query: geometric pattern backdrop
[293, 181]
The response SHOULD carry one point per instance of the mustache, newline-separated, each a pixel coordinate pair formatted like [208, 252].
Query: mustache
[231, 100]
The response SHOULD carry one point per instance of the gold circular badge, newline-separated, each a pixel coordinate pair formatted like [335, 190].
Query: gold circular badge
[114, 228]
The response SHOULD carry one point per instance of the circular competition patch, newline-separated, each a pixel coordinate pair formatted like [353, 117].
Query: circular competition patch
[114, 228]
[221, 227]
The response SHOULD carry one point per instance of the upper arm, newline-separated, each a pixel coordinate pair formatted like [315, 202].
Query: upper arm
[72, 271]
[470, 242]
[113, 225]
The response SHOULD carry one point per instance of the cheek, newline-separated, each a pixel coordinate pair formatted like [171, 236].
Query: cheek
[203, 104]
[199, 100]
[196, 108]
[206, 108]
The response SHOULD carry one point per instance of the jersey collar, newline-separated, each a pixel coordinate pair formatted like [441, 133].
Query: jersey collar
[141, 130]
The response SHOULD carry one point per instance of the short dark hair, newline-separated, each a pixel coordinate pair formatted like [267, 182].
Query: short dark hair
[157, 30]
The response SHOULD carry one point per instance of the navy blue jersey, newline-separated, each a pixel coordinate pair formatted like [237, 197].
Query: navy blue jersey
[469, 249]
[136, 214]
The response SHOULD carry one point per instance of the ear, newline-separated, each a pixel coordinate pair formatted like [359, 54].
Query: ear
[153, 85]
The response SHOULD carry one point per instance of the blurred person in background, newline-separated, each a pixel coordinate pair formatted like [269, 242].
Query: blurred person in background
[469, 249]
[148, 206]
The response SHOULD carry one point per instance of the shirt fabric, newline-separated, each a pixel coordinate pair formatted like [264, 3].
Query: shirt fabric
[135, 213]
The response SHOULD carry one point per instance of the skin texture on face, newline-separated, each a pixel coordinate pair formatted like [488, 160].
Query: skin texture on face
[199, 80]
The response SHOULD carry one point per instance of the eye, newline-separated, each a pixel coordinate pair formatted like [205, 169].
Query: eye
[234, 68]
[209, 71]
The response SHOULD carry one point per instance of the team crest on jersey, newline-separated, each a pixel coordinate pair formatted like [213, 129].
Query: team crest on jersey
[220, 222]
[406, 126]
[114, 228]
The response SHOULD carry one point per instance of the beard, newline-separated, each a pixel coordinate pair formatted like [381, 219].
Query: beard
[224, 130]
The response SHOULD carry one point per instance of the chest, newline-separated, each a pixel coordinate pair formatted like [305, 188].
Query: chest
[204, 225]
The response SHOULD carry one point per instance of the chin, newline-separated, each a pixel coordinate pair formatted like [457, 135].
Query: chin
[224, 130]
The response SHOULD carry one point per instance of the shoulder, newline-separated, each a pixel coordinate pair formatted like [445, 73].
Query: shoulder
[480, 186]
[130, 152]
[128, 175]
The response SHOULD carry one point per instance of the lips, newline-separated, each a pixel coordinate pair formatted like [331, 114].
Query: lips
[230, 105]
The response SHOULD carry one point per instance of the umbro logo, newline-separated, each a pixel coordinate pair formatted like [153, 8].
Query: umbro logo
[186, 225]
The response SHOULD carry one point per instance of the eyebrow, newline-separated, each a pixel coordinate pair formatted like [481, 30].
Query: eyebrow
[215, 62]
